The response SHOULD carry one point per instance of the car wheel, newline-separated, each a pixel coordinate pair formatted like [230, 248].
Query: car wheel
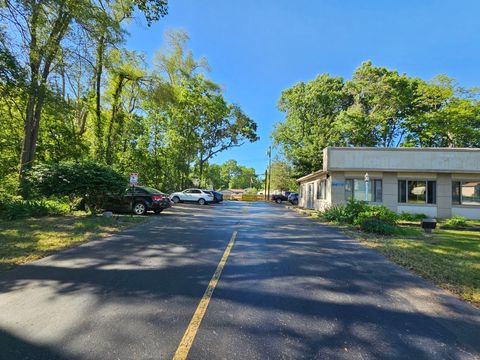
[139, 208]
[157, 211]
[176, 199]
[295, 202]
[202, 202]
[278, 201]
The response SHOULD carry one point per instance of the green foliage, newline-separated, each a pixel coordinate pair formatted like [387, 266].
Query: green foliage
[411, 217]
[377, 212]
[378, 219]
[455, 222]
[12, 209]
[376, 107]
[282, 177]
[370, 218]
[76, 179]
[374, 225]
[345, 214]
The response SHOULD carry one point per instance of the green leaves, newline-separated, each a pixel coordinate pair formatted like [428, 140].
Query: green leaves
[377, 107]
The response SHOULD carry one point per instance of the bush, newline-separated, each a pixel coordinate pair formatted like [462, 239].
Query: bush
[379, 213]
[456, 222]
[377, 226]
[12, 209]
[411, 217]
[345, 214]
[334, 213]
[87, 180]
[378, 219]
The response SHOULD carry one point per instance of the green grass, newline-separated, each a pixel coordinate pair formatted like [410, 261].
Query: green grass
[449, 258]
[26, 240]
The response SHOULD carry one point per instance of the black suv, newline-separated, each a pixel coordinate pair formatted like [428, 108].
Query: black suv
[138, 201]
[217, 197]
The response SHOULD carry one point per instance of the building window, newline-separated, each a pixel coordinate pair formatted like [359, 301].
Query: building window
[355, 189]
[466, 192]
[321, 190]
[377, 190]
[417, 191]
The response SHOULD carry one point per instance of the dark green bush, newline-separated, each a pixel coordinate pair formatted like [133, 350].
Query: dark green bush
[411, 217]
[374, 225]
[378, 219]
[12, 209]
[345, 214]
[87, 180]
[334, 214]
[377, 212]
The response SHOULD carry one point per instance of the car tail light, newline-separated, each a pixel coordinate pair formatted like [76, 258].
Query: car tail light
[157, 197]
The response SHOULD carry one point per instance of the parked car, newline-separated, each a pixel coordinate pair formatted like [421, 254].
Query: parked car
[192, 195]
[217, 197]
[293, 198]
[278, 198]
[139, 200]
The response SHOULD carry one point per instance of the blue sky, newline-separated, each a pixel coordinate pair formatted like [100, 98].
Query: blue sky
[257, 48]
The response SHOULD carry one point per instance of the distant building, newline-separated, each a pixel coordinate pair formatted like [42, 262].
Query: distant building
[438, 182]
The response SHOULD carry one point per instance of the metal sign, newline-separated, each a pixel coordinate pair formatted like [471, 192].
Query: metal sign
[133, 179]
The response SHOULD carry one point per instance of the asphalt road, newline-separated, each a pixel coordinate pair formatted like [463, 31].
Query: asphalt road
[291, 289]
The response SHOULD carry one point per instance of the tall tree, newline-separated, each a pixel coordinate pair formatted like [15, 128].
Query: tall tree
[40, 30]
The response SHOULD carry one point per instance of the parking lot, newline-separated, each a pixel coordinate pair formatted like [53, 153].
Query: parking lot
[278, 286]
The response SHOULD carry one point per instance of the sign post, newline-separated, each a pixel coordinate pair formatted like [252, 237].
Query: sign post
[133, 179]
[133, 182]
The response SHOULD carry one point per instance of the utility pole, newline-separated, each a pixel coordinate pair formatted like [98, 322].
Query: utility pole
[269, 170]
[265, 181]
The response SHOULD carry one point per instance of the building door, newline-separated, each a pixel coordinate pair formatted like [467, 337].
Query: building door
[310, 196]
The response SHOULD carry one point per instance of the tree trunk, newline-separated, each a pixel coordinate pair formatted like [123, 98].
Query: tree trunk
[115, 105]
[98, 106]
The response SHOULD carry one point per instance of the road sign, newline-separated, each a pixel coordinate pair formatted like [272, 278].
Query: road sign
[133, 179]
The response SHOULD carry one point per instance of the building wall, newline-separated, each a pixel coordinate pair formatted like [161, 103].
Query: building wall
[402, 159]
[468, 212]
[335, 192]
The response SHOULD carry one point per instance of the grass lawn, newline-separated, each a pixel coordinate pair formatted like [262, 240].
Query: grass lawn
[449, 258]
[25, 240]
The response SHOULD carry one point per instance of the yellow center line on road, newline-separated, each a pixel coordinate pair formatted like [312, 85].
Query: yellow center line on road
[191, 332]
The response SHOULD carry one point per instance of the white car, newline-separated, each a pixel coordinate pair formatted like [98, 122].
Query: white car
[192, 195]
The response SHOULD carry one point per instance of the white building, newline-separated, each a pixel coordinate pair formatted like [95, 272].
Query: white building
[438, 182]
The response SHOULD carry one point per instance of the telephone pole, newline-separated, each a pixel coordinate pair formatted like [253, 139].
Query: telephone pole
[265, 183]
[269, 170]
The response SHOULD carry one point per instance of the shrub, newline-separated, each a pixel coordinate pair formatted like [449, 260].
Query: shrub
[12, 209]
[334, 213]
[456, 222]
[411, 217]
[354, 208]
[345, 214]
[378, 219]
[379, 213]
[377, 226]
[88, 180]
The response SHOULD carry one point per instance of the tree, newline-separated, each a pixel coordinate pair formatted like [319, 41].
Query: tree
[377, 107]
[311, 110]
[41, 30]
[282, 176]
[448, 115]
[87, 180]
